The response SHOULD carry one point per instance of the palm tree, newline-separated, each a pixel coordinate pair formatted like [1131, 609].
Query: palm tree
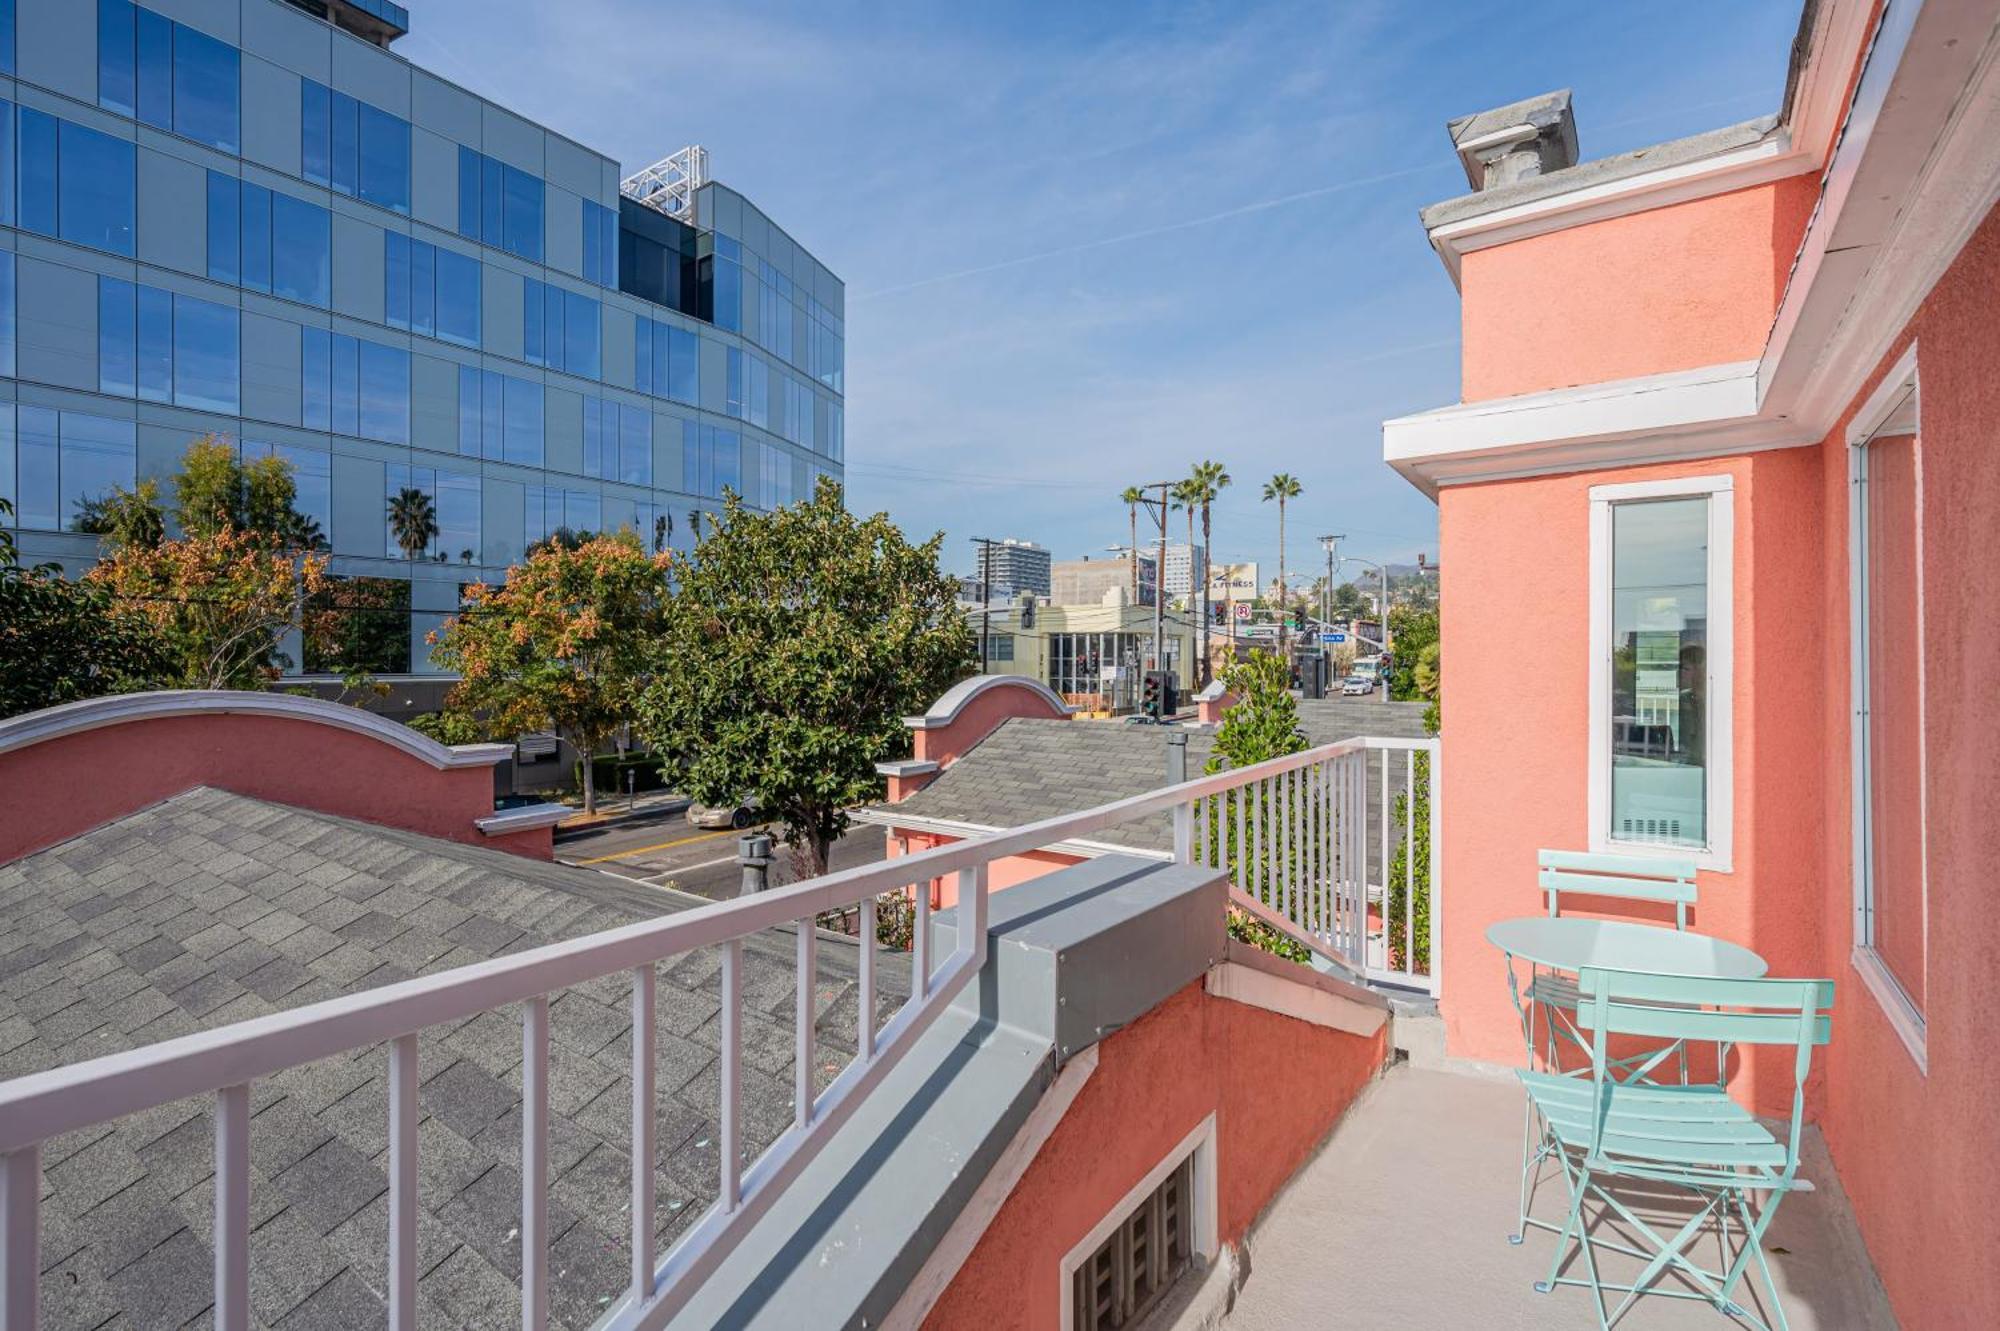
[1209, 479]
[1282, 487]
[412, 521]
[1133, 497]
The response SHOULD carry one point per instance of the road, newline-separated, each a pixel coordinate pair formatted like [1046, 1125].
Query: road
[663, 849]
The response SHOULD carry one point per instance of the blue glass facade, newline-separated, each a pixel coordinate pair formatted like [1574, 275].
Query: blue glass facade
[238, 220]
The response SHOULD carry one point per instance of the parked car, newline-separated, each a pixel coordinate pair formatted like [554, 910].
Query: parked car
[739, 815]
[1356, 684]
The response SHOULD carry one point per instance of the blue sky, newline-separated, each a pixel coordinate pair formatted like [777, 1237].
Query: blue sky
[1088, 244]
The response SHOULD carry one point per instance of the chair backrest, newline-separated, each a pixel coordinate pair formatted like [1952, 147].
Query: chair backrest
[1797, 1013]
[1633, 877]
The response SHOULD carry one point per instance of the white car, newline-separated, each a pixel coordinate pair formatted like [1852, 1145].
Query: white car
[1356, 684]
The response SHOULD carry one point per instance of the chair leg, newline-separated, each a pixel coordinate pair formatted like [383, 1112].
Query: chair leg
[1570, 1223]
[1754, 1228]
[1530, 1158]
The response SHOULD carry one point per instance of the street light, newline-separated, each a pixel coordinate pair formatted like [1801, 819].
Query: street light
[1383, 609]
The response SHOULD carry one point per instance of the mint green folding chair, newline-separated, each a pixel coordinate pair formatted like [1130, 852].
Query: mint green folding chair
[1691, 1138]
[1576, 874]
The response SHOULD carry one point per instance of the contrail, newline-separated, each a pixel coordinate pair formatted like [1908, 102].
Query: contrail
[1165, 228]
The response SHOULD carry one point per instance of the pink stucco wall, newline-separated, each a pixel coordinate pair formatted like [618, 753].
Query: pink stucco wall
[1008, 871]
[1670, 289]
[1155, 1082]
[1918, 1152]
[1011, 697]
[62, 787]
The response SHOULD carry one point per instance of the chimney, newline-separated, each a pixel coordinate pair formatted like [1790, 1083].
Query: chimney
[1512, 143]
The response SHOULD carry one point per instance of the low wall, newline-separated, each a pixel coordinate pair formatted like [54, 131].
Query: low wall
[1275, 1085]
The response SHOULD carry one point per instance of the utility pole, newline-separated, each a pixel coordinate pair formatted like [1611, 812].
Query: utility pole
[985, 544]
[1331, 544]
[1160, 584]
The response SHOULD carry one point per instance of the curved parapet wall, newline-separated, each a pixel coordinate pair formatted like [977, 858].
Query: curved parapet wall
[971, 709]
[68, 769]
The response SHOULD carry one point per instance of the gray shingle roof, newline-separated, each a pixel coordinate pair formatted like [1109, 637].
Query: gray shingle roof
[211, 907]
[1032, 769]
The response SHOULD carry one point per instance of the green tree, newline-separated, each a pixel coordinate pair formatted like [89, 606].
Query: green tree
[1410, 631]
[125, 517]
[1186, 496]
[1262, 724]
[64, 641]
[216, 491]
[1208, 480]
[563, 644]
[1349, 602]
[1133, 497]
[1282, 487]
[450, 727]
[412, 521]
[796, 643]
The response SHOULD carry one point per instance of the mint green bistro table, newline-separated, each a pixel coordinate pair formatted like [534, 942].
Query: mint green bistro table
[1569, 944]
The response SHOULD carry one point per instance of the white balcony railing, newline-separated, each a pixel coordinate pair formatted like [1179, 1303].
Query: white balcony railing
[1294, 834]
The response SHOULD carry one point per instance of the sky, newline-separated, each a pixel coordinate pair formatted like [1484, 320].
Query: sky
[1086, 245]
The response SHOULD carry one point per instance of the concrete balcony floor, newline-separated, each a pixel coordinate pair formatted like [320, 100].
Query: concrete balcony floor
[1402, 1221]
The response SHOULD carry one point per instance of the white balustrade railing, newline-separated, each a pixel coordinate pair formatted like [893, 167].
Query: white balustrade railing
[1293, 834]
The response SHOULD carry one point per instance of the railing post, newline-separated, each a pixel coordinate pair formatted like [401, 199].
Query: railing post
[1435, 776]
[806, 1056]
[865, 1037]
[1184, 833]
[972, 904]
[535, 1164]
[232, 1208]
[403, 1079]
[644, 1117]
[731, 1077]
[20, 1238]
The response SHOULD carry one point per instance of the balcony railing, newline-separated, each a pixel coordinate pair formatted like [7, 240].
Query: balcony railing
[1293, 833]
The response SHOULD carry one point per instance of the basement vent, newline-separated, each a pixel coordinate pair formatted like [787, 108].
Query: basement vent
[1666, 830]
[1127, 1276]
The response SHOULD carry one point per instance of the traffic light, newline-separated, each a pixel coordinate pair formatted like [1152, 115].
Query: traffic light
[1028, 611]
[1153, 694]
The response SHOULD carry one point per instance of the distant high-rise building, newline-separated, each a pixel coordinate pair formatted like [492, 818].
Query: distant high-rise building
[1182, 565]
[1103, 581]
[1010, 567]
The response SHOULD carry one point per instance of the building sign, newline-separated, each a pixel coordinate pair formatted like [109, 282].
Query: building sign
[1232, 582]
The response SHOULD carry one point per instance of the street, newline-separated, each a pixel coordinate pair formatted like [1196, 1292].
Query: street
[665, 850]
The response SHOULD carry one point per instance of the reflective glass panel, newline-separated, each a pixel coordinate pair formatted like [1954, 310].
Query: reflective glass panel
[582, 325]
[385, 393]
[385, 159]
[316, 127]
[117, 345]
[256, 237]
[458, 298]
[40, 153]
[96, 190]
[98, 455]
[207, 355]
[1659, 671]
[206, 90]
[36, 503]
[225, 228]
[396, 280]
[7, 314]
[302, 251]
[522, 225]
[117, 67]
[522, 441]
[155, 323]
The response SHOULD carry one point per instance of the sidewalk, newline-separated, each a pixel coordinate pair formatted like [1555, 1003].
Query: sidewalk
[615, 809]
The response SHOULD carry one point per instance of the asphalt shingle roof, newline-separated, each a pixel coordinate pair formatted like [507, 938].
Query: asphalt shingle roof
[1030, 769]
[210, 908]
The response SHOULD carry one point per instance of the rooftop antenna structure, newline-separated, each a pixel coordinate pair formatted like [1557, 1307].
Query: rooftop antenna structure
[669, 185]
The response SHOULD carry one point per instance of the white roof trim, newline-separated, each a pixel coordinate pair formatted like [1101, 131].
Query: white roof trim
[907, 767]
[1800, 145]
[1892, 216]
[526, 818]
[120, 708]
[886, 816]
[959, 696]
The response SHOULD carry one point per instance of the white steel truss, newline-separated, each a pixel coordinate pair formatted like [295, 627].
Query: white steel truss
[669, 185]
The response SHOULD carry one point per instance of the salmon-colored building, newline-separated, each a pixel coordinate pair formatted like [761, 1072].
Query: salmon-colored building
[1726, 452]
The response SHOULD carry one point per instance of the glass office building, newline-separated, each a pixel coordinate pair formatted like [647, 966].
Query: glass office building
[249, 219]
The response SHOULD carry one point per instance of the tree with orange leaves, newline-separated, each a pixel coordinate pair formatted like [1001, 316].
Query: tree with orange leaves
[219, 601]
[561, 644]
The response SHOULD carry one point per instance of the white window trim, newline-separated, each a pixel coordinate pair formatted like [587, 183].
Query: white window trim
[1203, 1223]
[1905, 1017]
[1721, 653]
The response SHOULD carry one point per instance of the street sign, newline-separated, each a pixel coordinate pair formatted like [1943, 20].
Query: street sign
[1333, 637]
[1243, 610]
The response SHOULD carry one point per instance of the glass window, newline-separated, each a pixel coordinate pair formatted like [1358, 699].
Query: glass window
[7, 315]
[635, 445]
[117, 345]
[344, 384]
[726, 299]
[95, 190]
[683, 365]
[534, 323]
[384, 380]
[411, 492]
[315, 132]
[7, 163]
[206, 89]
[343, 142]
[315, 357]
[36, 502]
[583, 511]
[98, 455]
[468, 193]
[728, 454]
[458, 294]
[40, 151]
[642, 354]
[256, 237]
[155, 322]
[521, 231]
[492, 201]
[207, 355]
[396, 280]
[1659, 671]
[1888, 613]
[302, 251]
[458, 536]
[600, 244]
[117, 58]
[155, 46]
[582, 331]
[385, 159]
[594, 413]
[522, 429]
[423, 288]
[312, 481]
[732, 396]
[359, 624]
[469, 415]
[225, 228]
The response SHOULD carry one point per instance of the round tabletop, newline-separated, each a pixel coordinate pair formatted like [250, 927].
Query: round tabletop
[1570, 944]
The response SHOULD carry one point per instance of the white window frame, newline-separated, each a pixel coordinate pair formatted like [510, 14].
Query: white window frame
[1203, 1223]
[1905, 1017]
[1719, 771]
